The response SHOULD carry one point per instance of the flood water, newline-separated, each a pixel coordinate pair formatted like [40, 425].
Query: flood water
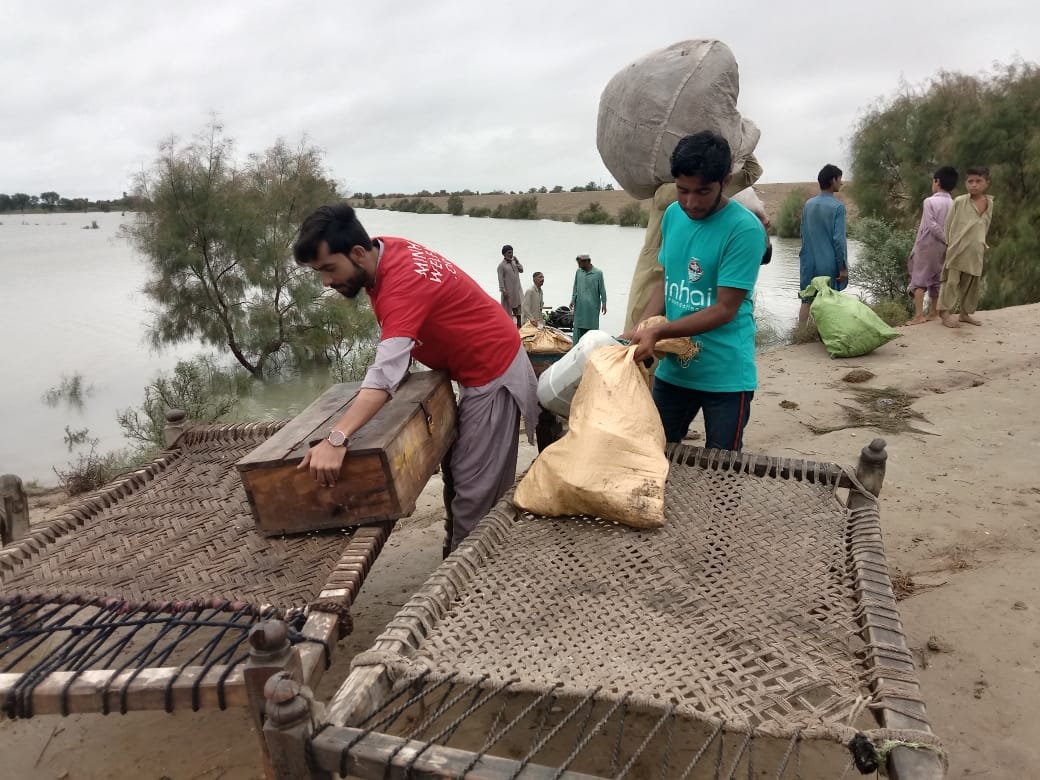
[71, 304]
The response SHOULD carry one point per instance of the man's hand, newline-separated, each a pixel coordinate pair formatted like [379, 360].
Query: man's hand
[604, 309]
[843, 275]
[325, 462]
[644, 340]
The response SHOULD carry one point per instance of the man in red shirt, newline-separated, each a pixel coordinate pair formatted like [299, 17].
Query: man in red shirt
[428, 309]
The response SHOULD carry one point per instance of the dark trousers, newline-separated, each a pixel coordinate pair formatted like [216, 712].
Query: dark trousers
[725, 414]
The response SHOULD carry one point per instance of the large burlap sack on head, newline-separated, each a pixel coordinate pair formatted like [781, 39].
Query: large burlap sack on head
[650, 104]
[847, 326]
[544, 340]
[611, 461]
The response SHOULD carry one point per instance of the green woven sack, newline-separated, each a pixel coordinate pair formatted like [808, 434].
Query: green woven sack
[848, 327]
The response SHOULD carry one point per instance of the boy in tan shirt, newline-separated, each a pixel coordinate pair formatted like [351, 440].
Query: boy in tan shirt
[966, 228]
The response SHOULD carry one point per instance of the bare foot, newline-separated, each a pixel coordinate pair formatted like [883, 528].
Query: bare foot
[969, 319]
[930, 317]
[917, 320]
[950, 322]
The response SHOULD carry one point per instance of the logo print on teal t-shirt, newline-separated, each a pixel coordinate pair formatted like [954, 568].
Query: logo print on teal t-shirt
[694, 270]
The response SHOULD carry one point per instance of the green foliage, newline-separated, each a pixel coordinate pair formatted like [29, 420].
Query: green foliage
[517, 208]
[893, 312]
[789, 216]
[216, 238]
[200, 387]
[455, 205]
[479, 212]
[594, 214]
[416, 206]
[881, 267]
[633, 216]
[961, 120]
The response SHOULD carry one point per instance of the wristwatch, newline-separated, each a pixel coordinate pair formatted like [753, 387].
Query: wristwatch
[337, 439]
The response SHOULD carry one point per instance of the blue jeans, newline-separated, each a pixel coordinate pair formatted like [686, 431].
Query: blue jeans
[725, 414]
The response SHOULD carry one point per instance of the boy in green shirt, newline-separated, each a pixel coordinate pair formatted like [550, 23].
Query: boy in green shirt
[711, 250]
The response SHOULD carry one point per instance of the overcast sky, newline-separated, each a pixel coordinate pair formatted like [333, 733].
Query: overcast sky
[484, 95]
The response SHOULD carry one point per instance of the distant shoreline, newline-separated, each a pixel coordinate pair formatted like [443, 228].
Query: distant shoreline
[566, 205]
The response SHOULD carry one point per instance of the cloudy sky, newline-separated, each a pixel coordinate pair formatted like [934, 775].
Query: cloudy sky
[484, 95]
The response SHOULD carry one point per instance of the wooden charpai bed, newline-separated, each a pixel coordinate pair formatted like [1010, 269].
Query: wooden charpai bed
[149, 594]
[755, 634]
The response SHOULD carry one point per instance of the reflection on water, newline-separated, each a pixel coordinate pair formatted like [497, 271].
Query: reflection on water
[71, 306]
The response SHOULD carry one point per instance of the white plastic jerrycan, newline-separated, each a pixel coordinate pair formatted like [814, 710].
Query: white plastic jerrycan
[559, 382]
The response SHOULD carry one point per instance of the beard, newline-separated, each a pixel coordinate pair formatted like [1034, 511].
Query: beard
[352, 286]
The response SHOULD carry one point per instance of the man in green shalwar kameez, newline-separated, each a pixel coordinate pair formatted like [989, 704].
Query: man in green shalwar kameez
[588, 298]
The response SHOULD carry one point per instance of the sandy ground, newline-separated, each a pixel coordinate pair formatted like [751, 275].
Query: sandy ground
[960, 508]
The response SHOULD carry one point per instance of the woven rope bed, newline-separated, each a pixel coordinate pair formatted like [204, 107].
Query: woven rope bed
[143, 595]
[756, 630]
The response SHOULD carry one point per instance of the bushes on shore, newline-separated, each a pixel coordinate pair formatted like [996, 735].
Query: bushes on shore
[881, 270]
[789, 217]
[594, 214]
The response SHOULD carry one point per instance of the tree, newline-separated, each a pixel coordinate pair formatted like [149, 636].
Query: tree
[962, 121]
[455, 205]
[20, 201]
[49, 200]
[5, 202]
[216, 237]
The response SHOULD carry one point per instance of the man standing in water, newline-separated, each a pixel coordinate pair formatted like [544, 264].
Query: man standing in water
[509, 271]
[428, 309]
[824, 247]
[588, 297]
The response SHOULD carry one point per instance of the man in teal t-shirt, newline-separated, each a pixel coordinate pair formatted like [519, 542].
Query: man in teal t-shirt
[711, 250]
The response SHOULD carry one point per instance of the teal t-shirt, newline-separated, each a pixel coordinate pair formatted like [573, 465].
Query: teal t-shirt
[699, 256]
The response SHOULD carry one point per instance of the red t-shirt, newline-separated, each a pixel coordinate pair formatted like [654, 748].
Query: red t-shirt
[456, 326]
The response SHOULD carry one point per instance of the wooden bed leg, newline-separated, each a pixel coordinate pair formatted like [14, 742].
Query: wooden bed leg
[292, 718]
[176, 424]
[270, 653]
[870, 471]
[14, 509]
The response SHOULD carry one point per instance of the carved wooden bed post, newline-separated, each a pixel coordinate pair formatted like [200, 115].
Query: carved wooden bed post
[270, 653]
[14, 509]
[176, 423]
[293, 717]
[870, 471]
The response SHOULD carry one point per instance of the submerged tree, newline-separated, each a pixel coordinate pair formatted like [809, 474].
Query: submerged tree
[217, 237]
[963, 121]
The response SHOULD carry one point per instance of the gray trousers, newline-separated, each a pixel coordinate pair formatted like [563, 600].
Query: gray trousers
[481, 465]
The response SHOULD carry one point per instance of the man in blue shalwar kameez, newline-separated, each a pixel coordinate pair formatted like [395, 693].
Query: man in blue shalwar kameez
[824, 248]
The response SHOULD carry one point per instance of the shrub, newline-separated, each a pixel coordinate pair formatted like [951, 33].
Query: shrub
[479, 211]
[455, 205]
[517, 208]
[881, 269]
[633, 216]
[594, 214]
[200, 387]
[416, 206]
[893, 312]
[789, 217]
[805, 334]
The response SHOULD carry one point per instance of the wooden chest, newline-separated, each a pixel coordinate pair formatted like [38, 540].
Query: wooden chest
[388, 462]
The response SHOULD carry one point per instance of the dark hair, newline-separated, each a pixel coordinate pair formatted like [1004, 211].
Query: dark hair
[947, 177]
[828, 173]
[537, 273]
[978, 170]
[505, 249]
[337, 225]
[705, 154]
